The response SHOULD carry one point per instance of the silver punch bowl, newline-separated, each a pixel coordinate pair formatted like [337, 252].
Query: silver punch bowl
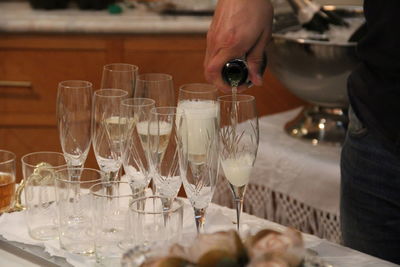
[316, 71]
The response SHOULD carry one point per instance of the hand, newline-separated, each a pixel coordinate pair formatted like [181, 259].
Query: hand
[239, 28]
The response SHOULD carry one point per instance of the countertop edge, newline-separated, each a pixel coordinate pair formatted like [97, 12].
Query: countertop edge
[18, 17]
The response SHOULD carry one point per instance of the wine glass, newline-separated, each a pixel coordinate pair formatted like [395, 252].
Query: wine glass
[198, 154]
[120, 76]
[74, 111]
[108, 130]
[135, 155]
[156, 86]
[163, 152]
[160, 88]
[239, 136]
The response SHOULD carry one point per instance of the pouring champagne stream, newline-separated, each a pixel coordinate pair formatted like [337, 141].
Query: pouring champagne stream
[238, 133]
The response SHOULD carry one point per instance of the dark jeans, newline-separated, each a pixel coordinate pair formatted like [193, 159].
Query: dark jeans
[370, 194]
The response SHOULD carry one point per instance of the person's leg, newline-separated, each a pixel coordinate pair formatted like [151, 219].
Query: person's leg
[370, 194]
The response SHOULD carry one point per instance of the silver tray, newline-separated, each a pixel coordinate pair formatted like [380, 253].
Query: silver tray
[34, 254]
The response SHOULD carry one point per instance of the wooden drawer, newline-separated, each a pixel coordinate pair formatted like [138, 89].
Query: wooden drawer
[32, 67]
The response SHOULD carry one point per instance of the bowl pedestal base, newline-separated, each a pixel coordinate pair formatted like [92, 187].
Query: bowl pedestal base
[319, 125]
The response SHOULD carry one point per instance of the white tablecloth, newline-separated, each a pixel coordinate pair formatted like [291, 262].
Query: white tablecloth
[217, 218]
[293, 182]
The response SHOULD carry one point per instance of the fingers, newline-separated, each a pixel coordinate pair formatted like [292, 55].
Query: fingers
[223, 46]
[238, 29]
[216, 64]
[210, 45]
[226, 40]
[256, 57]
[256, 60]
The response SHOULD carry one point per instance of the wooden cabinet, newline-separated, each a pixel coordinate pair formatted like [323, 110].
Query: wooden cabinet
[30, 69]
[32, 65]
[180, 56]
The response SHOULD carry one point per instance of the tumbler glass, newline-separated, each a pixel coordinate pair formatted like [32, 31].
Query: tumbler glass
[7, 179]
[74, 208]
[39, 169]
[112, 223]
[155, 225]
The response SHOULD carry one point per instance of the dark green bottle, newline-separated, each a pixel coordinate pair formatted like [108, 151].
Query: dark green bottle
[235, 72]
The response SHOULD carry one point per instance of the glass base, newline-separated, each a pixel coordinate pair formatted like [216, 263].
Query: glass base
[46, 232]
[82, 248]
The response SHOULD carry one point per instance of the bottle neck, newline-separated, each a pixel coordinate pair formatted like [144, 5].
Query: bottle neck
[235, 72]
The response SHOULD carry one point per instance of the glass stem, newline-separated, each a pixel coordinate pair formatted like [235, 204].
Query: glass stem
[112, 176]
[199, 216]
[239, 207]
[75, 174]
[166, 203]
[153, 188]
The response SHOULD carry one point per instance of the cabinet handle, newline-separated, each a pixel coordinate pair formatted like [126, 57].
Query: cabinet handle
[21, 84]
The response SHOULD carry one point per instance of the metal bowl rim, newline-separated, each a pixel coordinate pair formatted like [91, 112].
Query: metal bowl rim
[316, 42]
[313, 42]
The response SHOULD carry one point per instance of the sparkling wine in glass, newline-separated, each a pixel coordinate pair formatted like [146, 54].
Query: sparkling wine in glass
[198, 153]
[108, 130]
[198, 98]
[239, 137]
[163, 151]
[120, 76]
[160, 88]
[136, 154]
[74, 111]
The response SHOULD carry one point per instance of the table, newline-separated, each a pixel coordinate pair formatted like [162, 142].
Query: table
[218, 218]
[293, 182]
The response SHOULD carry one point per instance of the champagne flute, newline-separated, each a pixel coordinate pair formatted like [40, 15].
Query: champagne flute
[121, 76]
[197, 92]
[163, 152]
[74, 111]
[108, 130]
[239, 136]
[198, 98]
[156, 86]
[160, 88]
[135, 156]
[198, 154]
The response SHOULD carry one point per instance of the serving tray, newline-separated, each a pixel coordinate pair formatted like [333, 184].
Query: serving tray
[34, 254]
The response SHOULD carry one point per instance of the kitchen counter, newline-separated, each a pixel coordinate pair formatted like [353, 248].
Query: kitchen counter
[19, 17]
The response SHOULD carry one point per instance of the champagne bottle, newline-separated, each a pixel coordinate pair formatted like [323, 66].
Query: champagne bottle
[315, 18]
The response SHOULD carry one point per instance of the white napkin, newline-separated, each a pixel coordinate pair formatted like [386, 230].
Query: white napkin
[13, 227]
